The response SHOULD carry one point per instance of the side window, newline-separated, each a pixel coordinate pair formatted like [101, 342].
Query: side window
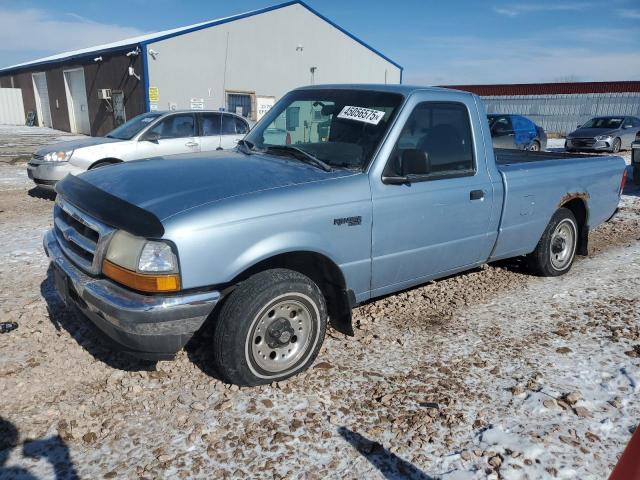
[228, 125]
[210, 124]
[175, 126]
[436, 141]
[502, 125]
[241, 126]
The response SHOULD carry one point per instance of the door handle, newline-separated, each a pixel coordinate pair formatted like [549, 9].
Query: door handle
[476, 195]
[191, 144]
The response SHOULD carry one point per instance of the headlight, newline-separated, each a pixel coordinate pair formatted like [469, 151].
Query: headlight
[145, 265]
[60, 156]
[603, 137]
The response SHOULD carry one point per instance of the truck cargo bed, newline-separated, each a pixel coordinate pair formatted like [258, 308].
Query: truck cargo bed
[508, 156]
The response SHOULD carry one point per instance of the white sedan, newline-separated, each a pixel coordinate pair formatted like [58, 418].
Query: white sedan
[148, 135]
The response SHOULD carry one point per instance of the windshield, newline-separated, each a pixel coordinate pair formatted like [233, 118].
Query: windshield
[342, 128]
[604, 122]
[130, 129]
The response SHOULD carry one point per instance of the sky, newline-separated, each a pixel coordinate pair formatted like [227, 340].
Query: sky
[437, 43]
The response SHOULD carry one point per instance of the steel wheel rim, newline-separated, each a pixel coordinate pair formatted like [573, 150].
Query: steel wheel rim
[562, 245]
[534, 147]
[281, 334]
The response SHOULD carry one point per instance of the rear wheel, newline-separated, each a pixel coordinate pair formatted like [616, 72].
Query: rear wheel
[534, 147]
[556, 250]
[617, 143]
[271, 327]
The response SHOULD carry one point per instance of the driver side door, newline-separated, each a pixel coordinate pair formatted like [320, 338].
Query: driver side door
[173, 135]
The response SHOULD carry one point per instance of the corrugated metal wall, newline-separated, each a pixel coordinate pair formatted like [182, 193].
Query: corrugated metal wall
[562, 113]
[11, 107]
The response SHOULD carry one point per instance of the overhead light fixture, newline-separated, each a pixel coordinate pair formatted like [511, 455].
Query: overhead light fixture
[97, 59]
[134, 53]
[132, 73]
[153, 53]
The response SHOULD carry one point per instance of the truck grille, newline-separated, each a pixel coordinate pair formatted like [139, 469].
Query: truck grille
[82, 238]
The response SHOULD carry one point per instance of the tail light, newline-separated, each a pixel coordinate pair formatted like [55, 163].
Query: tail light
[623, 182]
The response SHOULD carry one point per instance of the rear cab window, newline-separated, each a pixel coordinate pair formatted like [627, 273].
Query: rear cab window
[436, 142]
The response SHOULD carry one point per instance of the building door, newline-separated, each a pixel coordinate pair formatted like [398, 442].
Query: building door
[240, 103]
[41, 92]
[119, 114]
[77, 101]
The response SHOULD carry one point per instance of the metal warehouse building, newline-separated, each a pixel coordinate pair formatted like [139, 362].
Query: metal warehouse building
[241, 63]
[560, 107]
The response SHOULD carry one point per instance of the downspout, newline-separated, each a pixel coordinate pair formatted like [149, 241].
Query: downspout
[145, 76]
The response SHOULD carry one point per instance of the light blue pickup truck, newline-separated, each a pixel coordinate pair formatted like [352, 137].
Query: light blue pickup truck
[372, 190]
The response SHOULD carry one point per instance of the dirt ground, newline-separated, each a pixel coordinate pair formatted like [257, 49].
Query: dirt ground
[490, 374]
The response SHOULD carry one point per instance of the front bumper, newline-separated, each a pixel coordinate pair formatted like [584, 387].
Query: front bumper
[588, 145]
[46, 174]
[152, 327]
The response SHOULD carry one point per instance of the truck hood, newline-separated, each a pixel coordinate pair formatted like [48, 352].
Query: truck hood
[592, 132]
[166, 186]
[75, 144]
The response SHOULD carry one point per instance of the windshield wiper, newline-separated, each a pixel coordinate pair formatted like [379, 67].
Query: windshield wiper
[301, 155]
[245, 146]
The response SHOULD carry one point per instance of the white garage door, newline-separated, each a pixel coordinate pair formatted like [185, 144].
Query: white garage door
[77, 101]
[41, 93]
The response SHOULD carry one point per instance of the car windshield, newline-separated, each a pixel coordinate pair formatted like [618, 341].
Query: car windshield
[604, 122]
[130, 129]
[341, 128]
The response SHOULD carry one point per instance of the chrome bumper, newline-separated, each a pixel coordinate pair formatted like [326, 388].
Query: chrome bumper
[147, 326]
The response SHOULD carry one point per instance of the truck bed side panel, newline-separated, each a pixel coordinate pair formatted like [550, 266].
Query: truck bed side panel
[535, 190]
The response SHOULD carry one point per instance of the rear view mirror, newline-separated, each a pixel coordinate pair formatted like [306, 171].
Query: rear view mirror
[414, 162]
[151, 137]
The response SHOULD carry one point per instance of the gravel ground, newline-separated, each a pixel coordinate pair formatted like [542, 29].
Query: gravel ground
[489, 374]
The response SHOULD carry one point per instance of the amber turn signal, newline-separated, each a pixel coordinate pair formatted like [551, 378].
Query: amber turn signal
[142, 282]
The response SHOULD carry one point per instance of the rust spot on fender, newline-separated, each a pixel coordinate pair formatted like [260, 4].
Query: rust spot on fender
[584, 196]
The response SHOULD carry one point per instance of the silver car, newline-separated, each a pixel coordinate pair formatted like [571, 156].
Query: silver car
[148, 135]
[613, 133]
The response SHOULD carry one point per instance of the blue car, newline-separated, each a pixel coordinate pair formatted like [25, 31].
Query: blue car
[516, 132]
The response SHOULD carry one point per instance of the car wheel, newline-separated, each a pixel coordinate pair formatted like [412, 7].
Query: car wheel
[556, 250]
[270, 328]
[535, 146]
[101, 164]
[617, 143]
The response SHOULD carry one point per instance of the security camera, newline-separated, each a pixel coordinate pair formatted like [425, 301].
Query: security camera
[97, 59]
[153, 53]
[134, 53]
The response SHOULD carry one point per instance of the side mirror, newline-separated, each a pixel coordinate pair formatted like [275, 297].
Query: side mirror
[414, 162]
[151, 137]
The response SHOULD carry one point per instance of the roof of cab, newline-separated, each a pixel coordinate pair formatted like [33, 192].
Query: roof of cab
[383, 87]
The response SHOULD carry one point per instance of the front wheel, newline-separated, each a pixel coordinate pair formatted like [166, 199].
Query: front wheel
[270, 328]
[556, 250]
[617, 143]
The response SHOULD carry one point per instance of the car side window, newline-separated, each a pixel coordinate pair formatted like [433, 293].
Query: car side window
[626, 123]
[175, 126]
[228, 125]
[435, 142]
[636, 122]
[502, 125]
[210, 124]
[241, 126]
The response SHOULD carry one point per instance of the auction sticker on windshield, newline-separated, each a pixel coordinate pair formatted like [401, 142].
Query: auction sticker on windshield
[361, 114]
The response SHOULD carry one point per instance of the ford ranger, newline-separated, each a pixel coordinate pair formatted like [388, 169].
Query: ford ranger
[372, 190]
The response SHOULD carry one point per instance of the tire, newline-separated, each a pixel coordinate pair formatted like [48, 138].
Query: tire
[270, 328]
[556, 250]
[101, 164]
[617, 143]
[535, 146]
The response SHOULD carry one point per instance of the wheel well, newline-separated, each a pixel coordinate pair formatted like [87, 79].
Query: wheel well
[105, 160]
[579, 209]
[324, 272]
